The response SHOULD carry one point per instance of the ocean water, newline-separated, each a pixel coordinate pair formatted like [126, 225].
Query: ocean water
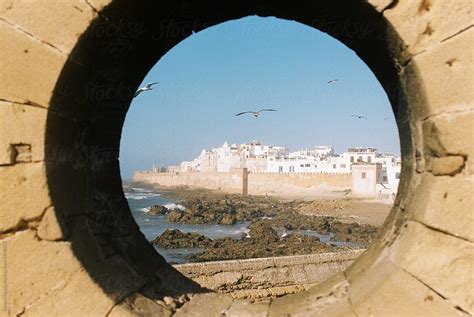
[141, 198]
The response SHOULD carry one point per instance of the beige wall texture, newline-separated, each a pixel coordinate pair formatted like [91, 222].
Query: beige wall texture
[258, 183]
[68, 70]
[228, 182]
[268, 277]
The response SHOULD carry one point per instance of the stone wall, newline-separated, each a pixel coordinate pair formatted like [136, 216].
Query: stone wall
[298, 183]
[268, 277]
[258, 183]
[228, 182]
[69, 243]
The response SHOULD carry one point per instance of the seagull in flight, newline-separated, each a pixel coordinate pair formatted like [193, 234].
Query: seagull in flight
[142, 89]
[359, 116]
[332, 81]
[255, 113]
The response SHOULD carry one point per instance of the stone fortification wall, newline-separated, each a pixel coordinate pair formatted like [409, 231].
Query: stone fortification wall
[258, 183]
[229, 182]
[268, 277]
[323, 183]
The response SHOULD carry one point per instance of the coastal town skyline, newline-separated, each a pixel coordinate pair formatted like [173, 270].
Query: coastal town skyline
[255, 63]
[291, 149]
[255, 157]
[278, 150]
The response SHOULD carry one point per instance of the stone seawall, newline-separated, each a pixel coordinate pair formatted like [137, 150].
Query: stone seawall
[229, 182]
[258, 183]
[268, 277]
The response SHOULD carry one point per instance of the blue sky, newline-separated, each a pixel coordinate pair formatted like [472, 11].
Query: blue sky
[255, 63]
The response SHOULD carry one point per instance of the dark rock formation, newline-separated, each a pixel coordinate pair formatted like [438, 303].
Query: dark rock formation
[218, 211]
[228, 220]
[158, 210]
[268, 216]
[174, 239]
[174, 215]
[263, 242]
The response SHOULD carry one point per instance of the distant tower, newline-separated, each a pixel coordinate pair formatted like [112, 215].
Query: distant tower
[154, 170]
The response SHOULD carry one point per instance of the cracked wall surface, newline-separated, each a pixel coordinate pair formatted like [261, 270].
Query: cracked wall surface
[68, 70]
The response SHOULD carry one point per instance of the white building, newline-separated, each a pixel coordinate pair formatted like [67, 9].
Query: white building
[365, 177]
[391, 168]
[362, 154]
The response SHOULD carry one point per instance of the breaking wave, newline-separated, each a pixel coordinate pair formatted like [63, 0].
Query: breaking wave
[142, 195]
[174, 206]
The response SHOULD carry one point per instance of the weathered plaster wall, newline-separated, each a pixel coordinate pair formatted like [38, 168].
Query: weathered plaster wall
[69, 245]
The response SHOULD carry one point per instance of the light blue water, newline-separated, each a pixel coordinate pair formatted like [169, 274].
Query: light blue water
[141, 198]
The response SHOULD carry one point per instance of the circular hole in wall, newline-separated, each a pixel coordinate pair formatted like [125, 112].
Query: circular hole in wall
[323, 169]
[90, 103]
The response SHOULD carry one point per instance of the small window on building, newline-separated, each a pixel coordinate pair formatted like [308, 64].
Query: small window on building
[363, 175]
[280, 169]
[307, 165]
[359, 159]
[385, 178]
[334, 166]
[352, 159]
[369, 159]
[397, 175]
[292, 168]
[301, 165]
[343, 165]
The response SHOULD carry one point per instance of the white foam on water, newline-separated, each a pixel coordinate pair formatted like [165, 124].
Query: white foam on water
[174, 206]
[140, 189]
[138, 196]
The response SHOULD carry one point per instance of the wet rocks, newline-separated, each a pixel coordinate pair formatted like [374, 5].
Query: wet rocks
[263, 241]
[353, 232]
[174, 215]
[269, 217]
[174, 239]
[158, 210]
[218, 211]
[262, 229]
[228, 220]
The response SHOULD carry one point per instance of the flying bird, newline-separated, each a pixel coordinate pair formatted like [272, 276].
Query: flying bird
[142, 89]
[255, 113]
[333, 81]
[359, 116]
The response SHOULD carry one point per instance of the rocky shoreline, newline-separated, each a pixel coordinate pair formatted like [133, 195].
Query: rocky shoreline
[271, 231]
